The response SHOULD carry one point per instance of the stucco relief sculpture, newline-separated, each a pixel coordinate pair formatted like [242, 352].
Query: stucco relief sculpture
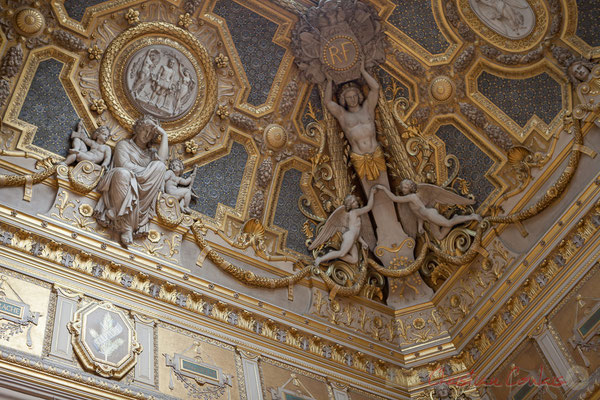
[161, 81]
[346, 219]
[130, 187]
[393, 247]
[585, 77]
[99, 152]
[416, 206]
[513, 19]
[332, 37]
[179, 187]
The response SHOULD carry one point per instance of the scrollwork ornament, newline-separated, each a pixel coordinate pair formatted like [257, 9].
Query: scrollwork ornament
[85, 176]
[168, 210]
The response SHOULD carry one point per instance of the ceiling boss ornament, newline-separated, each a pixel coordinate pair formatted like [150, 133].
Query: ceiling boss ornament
[441, 88]
[29, 21]
[159, 69]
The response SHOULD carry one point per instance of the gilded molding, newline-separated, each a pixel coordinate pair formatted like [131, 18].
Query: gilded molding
[537, 34]
[569, 32]
[528, 292]
[143, 34]
[281, 38]
[535, 124]
[60, 254]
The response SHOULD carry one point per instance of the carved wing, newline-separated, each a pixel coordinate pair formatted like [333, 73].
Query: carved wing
[408, 219]
[367, 232]
[335, 222]
[432, 194]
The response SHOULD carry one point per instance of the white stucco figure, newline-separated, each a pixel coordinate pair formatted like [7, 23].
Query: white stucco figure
[164, 84]
[142, 70]
[513, 19]
[357, 120]
[130, 187]
[346, 219]
[99, 152]
[179, 187]
[419, 200]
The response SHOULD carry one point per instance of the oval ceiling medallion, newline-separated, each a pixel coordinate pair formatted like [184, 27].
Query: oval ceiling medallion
[513, 25]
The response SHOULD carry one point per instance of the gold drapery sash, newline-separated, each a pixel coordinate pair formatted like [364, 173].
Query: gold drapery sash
[369, 165]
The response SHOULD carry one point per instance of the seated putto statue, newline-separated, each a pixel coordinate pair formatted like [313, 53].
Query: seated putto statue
[99, 152]
[346, 219]
[131, 186]
[179, 187]
[420, 199]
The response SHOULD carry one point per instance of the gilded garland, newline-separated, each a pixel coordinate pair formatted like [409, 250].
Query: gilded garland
[159, 69]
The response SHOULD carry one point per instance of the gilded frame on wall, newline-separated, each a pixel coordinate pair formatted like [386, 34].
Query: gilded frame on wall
[92, 337]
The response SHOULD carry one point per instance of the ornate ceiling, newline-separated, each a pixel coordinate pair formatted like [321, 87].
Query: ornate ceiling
[492, 101]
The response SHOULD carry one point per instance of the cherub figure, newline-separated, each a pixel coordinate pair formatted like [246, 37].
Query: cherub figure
[419, 200]
[346, 219]
[441, 391]
[99, 152]
[179, 187]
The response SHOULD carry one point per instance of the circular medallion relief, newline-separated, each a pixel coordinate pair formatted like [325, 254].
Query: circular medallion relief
[159, 69]
[29, 21]
[441, 88]
[340, 53]
[161, 81]
[275, 136]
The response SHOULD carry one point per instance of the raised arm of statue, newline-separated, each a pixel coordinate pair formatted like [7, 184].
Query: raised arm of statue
[163, 149]
[408, 198]
[369, 206]
[333, 107]
[373, 96]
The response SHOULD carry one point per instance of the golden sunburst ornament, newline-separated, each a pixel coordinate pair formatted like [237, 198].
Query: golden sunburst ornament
[441, 88]
[29, 21]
